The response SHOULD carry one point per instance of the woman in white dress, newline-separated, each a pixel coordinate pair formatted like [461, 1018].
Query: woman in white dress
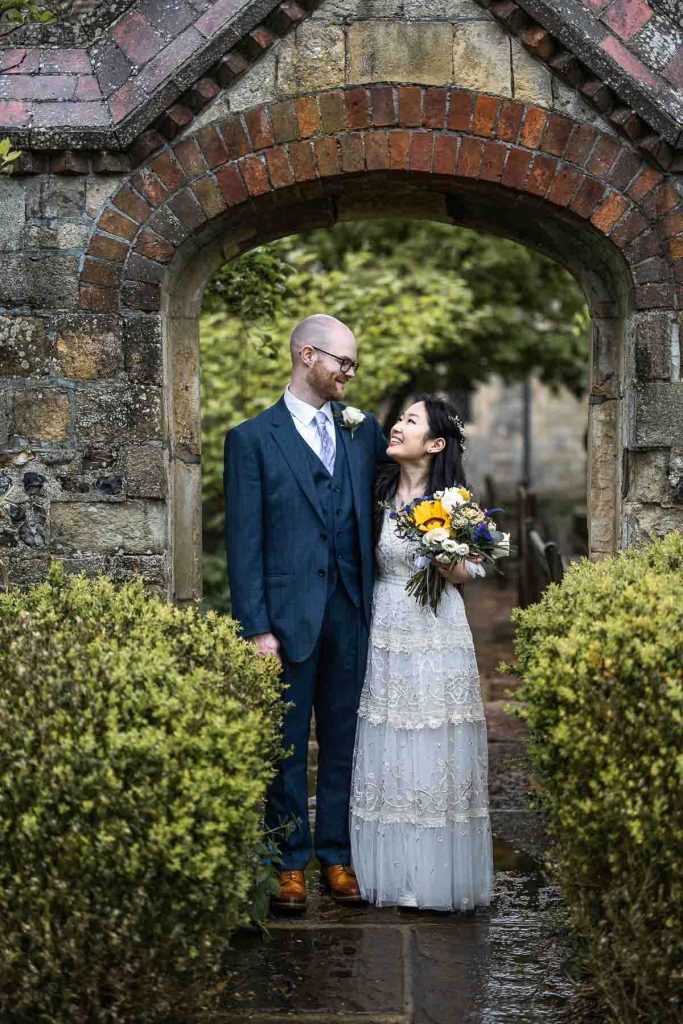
[420, 829]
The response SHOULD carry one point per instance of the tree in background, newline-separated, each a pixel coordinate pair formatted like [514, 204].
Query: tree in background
[433, 307]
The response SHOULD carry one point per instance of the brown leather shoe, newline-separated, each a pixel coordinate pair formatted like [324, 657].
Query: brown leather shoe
[292, 895]
[341, 883]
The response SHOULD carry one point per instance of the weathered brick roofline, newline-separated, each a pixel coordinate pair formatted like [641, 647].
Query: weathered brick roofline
[103, 98]
[289, 149]
[575, 39]
[172, 83]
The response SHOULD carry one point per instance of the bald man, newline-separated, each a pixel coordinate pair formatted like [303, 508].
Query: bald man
[298, 500]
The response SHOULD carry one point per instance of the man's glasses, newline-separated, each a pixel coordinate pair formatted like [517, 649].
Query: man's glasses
[345, 364]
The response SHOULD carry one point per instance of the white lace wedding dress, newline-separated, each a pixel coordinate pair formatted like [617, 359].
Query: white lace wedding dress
[420, 830]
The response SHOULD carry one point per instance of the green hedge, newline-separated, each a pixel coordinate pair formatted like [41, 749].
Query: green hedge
[601, 657]
[136, 741]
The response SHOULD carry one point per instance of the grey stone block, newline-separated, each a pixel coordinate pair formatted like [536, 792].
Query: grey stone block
[653, 346]
[24, 347]
[137, 527]
[12, 213]
[119, 412]
[142, 349]
[146, 472]
[658, 415]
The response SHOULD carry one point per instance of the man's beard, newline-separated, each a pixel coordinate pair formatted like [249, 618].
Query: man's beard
[325, 385]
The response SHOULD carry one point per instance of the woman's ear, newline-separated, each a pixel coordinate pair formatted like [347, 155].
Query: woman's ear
[437, 445]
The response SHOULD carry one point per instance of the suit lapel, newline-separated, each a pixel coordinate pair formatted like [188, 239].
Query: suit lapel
[289, 443]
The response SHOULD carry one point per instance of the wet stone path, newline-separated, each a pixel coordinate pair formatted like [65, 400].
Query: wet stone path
[504, 963]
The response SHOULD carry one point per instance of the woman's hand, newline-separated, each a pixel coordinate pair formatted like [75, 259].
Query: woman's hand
[458, 573]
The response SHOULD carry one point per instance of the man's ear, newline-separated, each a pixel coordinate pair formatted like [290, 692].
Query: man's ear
[307, 354]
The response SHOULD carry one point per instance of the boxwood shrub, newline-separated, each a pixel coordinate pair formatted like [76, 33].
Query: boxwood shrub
[136, 740]
[601, 657]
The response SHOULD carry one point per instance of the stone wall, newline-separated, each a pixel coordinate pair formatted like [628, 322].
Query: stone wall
[104, 261]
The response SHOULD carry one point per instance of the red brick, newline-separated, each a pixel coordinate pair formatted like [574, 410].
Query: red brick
[541, 174]
[133, 205]
[169, 171]
[609, 212]
[493, 160]
[564, 186]
[332, 111]
[174, 120]
[14, 113]
[664, 199]
[99, 272]
[627, 61]
[96, 298]
[626, 17]
[154, 247]
[654, 296]
[302, 159]
[108, 248]
[190, 158]
[235, 138]
[382, 103]
[209, 196]
[445, 154]
[231, 184]
[675, 247]
[352, 155]
[259, 128]
[116, 224]
[673, 70]
[603, 156]
[509, 121]
[672, 224]
[485, 113]
[645, 182]
[534, 125]
[624, 168]
[588, 196]
[630, 226]
[136, 37]
[420, 155]
[253, 170]
[357, 113]
[377, 150]
[278, 167]
[643, 247]
[140, 295]
[581, 142]
[409, 106]
[516, 168]
[434, 115]
[399, 146]
[469, 157]
[460, 107]
[328, 156]
[185, 205]
[557, 134]
[212, 147]
[308, 116]
[147, 183]
[284, 122]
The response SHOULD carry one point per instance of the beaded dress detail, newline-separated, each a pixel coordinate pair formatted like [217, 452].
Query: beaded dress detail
[420, 830]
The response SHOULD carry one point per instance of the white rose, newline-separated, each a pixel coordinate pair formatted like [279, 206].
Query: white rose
[352, 417]
[452, 497]
[437, 536]
[443, 559]
[451, 546]
[462, 550]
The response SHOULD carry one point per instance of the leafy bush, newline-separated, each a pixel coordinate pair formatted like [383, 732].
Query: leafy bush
[135, 744]
[601, 658]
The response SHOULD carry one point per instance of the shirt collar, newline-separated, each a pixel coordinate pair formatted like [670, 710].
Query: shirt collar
[303, 411]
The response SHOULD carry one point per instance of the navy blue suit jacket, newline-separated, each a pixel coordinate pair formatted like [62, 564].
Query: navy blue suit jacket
[275, 528]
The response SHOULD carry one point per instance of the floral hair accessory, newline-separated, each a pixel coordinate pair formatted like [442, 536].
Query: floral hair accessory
[459, 428]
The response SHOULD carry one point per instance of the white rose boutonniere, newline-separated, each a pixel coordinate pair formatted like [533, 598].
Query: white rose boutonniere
[351, 418]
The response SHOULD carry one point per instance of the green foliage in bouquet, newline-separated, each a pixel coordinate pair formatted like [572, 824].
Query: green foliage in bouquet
[601, 657]
[136, 741]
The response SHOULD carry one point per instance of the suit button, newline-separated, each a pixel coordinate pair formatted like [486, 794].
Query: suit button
[321, 572]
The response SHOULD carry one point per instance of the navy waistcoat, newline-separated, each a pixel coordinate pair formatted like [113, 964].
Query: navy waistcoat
[336, 498]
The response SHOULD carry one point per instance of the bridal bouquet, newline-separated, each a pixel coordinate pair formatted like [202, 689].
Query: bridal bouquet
[446, 527]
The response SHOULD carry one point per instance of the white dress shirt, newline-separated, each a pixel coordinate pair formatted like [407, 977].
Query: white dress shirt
[304, 415]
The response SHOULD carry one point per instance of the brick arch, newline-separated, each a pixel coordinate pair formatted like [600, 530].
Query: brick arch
[525, 171]
[451, 135]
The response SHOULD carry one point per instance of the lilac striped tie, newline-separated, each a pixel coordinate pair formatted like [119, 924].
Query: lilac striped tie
[327, 448]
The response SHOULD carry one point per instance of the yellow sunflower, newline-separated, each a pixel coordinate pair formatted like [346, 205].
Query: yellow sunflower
[430, 515]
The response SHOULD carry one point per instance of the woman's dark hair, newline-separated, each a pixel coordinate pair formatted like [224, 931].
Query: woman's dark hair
[446, 466]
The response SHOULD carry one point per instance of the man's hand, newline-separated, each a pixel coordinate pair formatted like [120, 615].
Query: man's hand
[266, 643]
